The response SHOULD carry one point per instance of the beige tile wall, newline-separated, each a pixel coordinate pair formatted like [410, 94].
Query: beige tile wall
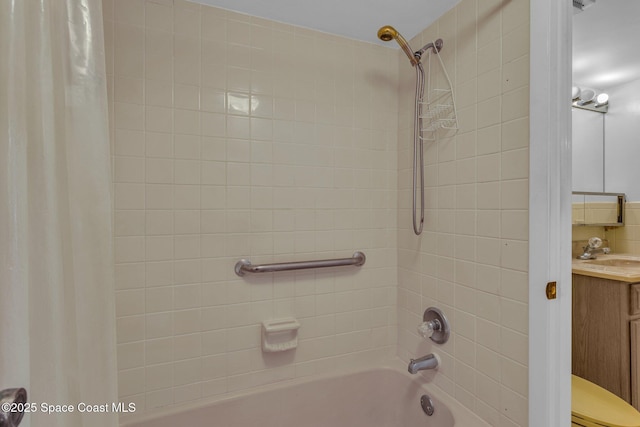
[236, 137]
[627, 239]
[621, 240]
[472, 258]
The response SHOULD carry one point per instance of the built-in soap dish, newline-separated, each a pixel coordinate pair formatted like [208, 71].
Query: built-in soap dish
[280, 334]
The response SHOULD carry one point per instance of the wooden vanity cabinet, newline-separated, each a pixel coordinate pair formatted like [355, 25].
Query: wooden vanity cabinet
[606, 334]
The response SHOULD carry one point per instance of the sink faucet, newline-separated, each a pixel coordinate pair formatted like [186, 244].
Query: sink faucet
[590, 253]
[593, 248]
[430, 361]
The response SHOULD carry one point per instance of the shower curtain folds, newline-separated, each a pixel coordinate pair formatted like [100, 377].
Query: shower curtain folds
[56, 285]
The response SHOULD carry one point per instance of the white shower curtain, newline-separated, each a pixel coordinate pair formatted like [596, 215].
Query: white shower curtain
[57, 325]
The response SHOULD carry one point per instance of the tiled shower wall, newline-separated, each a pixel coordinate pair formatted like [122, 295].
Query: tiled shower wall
[472, 258]
[236, 137]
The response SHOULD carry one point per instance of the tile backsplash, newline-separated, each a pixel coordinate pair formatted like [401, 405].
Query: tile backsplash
[625, 239]
[238, 137]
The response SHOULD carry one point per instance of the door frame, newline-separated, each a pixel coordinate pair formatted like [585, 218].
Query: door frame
[550, 213]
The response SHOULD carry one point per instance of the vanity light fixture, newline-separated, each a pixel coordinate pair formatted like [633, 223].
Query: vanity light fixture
[589, 99]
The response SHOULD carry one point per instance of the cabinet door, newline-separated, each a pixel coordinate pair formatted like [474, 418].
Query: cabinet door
[600, 338]
[634, 329]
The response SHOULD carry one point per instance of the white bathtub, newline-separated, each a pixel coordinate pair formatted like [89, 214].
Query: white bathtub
[380, 397]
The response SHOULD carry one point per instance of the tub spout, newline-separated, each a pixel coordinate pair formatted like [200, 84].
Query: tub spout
[430, 361]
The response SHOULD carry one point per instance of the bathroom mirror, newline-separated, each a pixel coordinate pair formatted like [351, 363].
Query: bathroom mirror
[587, 150]
[597, 208]
[605, 146]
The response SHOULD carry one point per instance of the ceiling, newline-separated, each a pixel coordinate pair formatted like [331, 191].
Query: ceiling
[355, 19]
[605, 38]
[604, 34]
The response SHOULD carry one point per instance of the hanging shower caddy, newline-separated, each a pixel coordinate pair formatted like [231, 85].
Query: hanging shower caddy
[438, 107]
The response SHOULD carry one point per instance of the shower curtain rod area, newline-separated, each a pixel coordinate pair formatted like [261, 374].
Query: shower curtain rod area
[244, 266]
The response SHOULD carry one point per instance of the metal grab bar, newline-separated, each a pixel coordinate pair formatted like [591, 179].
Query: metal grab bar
[244, 266]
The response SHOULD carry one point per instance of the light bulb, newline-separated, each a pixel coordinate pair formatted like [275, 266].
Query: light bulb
[602, 99]
[575, 92]
[586, 96]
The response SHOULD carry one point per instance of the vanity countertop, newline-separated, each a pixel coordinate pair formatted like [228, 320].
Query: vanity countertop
[620, 267]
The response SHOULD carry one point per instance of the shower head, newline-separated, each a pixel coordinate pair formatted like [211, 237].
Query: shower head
[388, 33]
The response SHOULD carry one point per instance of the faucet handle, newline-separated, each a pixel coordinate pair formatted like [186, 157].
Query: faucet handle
[434, 326]
[426, 329]
[595, 242]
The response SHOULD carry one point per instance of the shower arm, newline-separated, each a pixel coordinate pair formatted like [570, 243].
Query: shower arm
[435, 47]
